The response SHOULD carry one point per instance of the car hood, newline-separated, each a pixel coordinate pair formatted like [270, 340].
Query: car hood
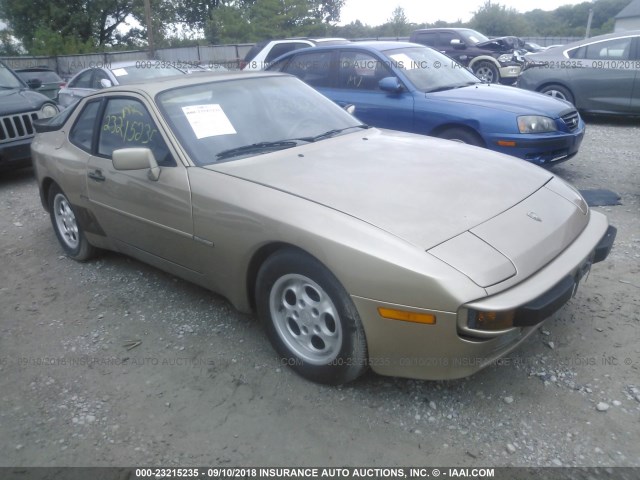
[421, 189]
[16, 101]
[508, 99]
[502, 44]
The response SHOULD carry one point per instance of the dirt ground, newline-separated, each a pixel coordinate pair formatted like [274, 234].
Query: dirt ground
[112, 362]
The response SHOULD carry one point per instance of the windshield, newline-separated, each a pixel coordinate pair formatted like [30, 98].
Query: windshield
[136, 73]
[471, 37]
[430, 71]
[231, 119]
[8, 79]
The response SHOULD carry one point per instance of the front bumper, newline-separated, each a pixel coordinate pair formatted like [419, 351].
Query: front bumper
[540, 149]
[510, 71]
[449, 349]
[15, 154]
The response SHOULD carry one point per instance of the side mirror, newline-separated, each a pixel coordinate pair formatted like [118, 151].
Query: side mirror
[390, 84]
[34, 83]
[457, 44]
[136, 159]
[104, 83]
[351, 108]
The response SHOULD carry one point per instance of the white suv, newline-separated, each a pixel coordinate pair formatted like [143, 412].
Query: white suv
[263, 53]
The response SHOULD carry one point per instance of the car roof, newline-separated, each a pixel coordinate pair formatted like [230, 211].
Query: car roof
[586, 41]
[370, 45]
[161, 84]
[444, 29]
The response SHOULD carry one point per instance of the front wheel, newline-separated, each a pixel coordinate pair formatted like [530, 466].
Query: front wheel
[310, 319]
[463, 136]
[65, 224]
[487, 72]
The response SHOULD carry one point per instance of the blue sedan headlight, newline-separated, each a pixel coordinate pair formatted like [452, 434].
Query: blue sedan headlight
[536, 124]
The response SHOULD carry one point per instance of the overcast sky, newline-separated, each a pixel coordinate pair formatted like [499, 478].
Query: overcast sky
[376, 12]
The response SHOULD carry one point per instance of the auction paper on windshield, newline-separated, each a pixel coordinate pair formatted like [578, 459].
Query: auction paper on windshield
[208, 120]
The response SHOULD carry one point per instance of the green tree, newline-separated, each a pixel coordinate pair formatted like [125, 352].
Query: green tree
[494, 19]
[398, 23]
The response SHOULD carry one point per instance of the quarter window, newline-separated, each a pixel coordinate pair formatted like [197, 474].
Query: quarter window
[81, 135]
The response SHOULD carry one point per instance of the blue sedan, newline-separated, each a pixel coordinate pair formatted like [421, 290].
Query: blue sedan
[409, 87]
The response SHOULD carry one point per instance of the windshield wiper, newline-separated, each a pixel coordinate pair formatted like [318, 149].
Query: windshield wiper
[331, 133]
[257, 147]
[281, 144]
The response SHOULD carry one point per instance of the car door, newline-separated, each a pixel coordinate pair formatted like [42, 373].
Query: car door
[356, 82]
[149, 219]
[603, 75]
[78, 87]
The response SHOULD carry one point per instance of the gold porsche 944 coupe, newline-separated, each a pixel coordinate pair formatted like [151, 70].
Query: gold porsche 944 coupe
[357, 247]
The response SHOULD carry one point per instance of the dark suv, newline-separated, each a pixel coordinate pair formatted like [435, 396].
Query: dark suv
[495, 60]
[19, 106]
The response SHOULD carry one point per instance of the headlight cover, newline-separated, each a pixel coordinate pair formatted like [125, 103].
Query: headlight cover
[48, 110]
[536, 124]
[505, 57]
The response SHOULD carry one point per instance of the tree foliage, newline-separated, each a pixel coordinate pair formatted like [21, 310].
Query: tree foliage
[65, 23]
[494, 19]
[80, 26]
[253, 20]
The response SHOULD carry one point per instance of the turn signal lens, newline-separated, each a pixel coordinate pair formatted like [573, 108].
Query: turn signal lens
[491, 320]
[405, 316]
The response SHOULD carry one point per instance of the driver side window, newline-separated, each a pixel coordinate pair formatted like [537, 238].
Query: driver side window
[126, 123]
[361, 71]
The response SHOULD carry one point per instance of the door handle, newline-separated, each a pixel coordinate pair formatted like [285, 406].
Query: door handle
[97, 176]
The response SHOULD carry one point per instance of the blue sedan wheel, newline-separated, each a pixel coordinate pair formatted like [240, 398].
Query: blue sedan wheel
[463, 136]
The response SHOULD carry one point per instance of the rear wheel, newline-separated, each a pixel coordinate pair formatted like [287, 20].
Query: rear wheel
[487, 72]
[310, 319]
[68, 230]
[558, 91]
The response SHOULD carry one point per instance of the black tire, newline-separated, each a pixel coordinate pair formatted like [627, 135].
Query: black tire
[558, 91]
[487, 72]
[68, 230]
[463, 136]
[310, 319]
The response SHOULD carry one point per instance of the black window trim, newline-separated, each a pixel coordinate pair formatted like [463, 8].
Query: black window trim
[98, 122]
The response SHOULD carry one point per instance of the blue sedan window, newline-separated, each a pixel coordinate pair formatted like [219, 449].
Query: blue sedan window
[313, 68]
[361, 71]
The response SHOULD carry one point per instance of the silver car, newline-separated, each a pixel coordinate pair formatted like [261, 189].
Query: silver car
[356, 247]
[117, 73]
[598, 75]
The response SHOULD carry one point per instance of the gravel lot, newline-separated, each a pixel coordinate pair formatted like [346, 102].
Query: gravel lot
[204, 387]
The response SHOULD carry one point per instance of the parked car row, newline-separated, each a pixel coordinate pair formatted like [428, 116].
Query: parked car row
[416, 89]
